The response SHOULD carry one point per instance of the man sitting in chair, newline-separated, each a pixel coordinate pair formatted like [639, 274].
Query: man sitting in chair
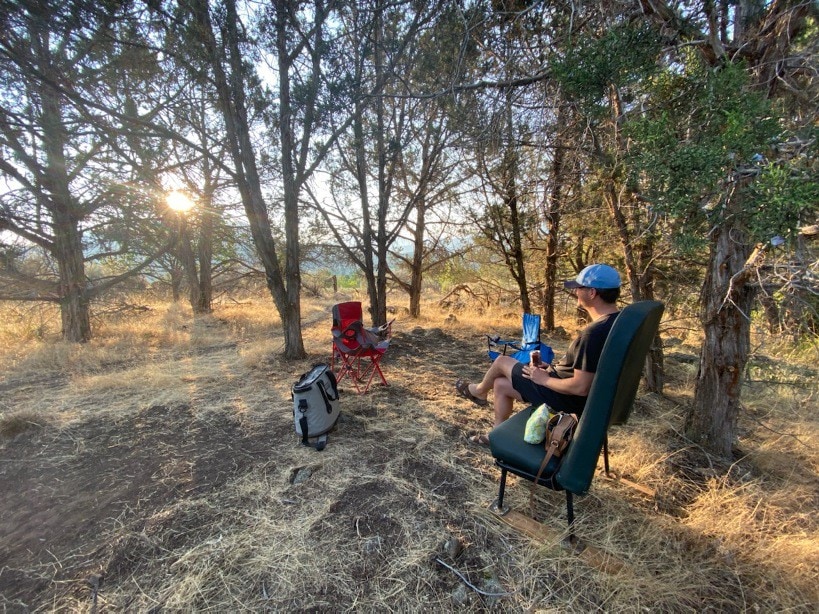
[565, 385]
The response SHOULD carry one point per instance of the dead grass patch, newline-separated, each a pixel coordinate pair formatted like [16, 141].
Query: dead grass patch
[14, 424]
[165, 474]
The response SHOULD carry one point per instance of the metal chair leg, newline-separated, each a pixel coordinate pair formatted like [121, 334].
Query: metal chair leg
[606, 455]
[497, 504]
[570, 515]
[502, 488]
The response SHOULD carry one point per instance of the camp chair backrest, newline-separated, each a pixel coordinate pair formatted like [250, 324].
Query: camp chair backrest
[345, 314]
[612, 393]
[531, 328]
[521, 350]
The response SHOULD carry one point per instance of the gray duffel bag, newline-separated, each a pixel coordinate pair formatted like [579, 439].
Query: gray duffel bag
[315, 405]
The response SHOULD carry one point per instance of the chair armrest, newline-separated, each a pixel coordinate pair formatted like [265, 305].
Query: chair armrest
[498, 346]
[384, 331]
[497, 341]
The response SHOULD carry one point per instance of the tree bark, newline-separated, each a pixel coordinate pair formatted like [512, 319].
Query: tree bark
[374, 239]
[378, 308]
[177, 275]
[75, 302]
[510, 176]
[290, 308]
[184, 251]
[726, 300]
[416, 275]
[368, 248]
[554, 205]
[763, 40]
[231, 96]
[67, 246]
[204, 247]
[654, 372]
[636, 255]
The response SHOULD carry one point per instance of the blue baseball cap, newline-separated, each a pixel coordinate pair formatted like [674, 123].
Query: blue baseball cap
[597, 276]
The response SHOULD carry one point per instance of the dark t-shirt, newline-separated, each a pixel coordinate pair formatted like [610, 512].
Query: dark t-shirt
[583, 353]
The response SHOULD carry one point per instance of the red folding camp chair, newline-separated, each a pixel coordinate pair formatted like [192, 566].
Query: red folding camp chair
[357, 351]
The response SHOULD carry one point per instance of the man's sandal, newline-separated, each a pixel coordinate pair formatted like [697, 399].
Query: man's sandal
[462, 387]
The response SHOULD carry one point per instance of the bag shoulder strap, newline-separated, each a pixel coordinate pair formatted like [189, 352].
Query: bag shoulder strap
[558, 435]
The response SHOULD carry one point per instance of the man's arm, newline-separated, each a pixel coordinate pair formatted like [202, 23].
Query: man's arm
[578, 384]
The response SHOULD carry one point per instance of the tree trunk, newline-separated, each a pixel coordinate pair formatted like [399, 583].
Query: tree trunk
[177, 276]
[378, 294]
[726, 305]
[767, 34]
[641, 285]
[184, 252]
[637, 258]
[554, 205]
[368, 247]
[654, 372]
[373, 227]
[614, 194]
[517, 249]
[417, 275]
[74, 299]
[204, 302]
[510, 172]
[291, 309]
[204, 247]
[232, 104]
[67, 247]
[378, 309]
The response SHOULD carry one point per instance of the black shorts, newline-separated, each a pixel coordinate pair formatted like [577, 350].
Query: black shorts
[535, 394]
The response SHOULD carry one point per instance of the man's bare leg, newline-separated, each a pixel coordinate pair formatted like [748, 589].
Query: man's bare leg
[505, 397]
[499, 379]
[500, 369]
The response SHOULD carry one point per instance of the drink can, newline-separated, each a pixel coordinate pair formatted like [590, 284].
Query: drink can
[535, 358]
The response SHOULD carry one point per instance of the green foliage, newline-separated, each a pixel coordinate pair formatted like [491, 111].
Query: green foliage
[349, 281]
[786, 193]
[460, 270]
[705, 137]
[622, 55]
[446, 277]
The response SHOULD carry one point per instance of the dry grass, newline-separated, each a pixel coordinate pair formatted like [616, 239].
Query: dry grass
[15, 423]
[166, 447]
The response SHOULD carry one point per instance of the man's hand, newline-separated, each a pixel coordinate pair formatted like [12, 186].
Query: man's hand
[537, 374]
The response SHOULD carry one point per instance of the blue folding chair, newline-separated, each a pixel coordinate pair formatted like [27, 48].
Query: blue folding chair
[521, 350]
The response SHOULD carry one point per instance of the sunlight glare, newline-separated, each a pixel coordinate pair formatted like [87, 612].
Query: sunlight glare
[179, 201]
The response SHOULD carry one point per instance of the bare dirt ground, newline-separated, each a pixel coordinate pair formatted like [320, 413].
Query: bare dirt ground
[170, 478]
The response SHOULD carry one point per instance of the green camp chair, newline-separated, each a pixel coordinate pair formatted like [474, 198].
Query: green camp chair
[610, 399]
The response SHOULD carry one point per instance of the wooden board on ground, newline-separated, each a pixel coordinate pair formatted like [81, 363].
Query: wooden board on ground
[594, 557]
[643, 490]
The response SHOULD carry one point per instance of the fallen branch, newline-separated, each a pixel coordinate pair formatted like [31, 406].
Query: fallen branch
[469, 584]
[445, 301]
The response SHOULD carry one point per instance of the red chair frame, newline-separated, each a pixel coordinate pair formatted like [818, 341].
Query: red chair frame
[357, 351]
